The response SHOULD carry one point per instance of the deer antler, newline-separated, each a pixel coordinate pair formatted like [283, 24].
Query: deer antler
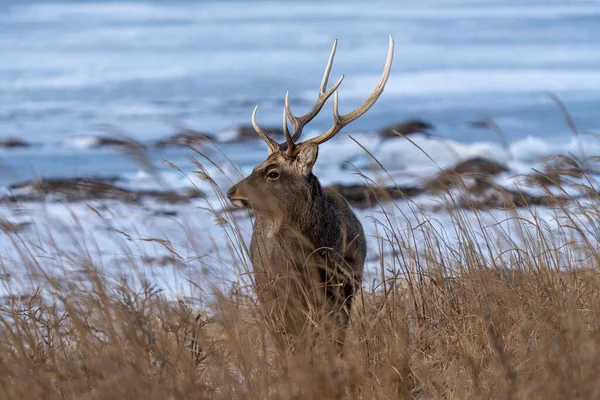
[300, 122]
[339, 122]
[273, 145]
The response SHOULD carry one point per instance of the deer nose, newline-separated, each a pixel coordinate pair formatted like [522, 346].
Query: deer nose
[235, 198]
[231, 192]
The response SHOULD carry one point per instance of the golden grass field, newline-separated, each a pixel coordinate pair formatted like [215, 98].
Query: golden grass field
[470, 319]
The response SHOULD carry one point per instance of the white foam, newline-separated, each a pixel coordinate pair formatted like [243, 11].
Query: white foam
[434, 154]
[229, 134]
[81, 142]
[534, 149]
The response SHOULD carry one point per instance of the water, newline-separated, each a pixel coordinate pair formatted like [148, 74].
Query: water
[68, 68]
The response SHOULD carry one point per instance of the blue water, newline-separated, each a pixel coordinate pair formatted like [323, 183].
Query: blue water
[67, 68]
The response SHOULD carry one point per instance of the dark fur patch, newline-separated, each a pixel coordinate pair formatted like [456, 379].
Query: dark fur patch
[348, 294]
[332, 289]
[327, 281]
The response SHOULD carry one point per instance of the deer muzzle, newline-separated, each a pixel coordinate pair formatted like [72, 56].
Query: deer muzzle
[236, 198]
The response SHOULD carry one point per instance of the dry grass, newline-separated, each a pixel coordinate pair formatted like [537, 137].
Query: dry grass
[510, 315]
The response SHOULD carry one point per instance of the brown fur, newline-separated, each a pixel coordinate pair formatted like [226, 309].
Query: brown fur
[308, 248]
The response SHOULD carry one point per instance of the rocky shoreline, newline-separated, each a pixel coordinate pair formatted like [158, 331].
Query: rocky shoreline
[471, 184]
[71, 190]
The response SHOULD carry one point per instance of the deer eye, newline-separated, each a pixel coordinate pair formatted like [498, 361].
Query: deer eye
[273, 175]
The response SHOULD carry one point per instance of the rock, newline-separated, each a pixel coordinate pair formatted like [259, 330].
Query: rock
[545, 178]
[473, 188]
[481, 193]
[406, 128]
[365, 196]
[477, 168]
[83, 189]
[111, 141]
[473, 194]
[107, 141]
[244, 133]
[487, 196]
[479, 165]
[13, 143]
[170, 196]
[70, 189]
[165, 213]
[556, 171]
[185, 138]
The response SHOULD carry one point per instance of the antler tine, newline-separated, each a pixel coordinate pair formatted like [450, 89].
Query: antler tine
[340, 121]
[328, 68]
[286, 131]
[273, 146]
[300, 122]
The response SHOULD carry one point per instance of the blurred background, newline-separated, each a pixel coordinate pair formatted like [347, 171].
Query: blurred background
[486, 284]
[75, 74]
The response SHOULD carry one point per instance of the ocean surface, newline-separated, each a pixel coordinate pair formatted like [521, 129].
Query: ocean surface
[70, 68]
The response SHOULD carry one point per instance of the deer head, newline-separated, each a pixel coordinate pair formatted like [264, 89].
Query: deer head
[283, 181]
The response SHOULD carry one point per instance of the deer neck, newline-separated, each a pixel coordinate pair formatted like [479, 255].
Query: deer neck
[308, 216]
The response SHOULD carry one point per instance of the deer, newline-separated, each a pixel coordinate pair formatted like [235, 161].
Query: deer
[308, 248]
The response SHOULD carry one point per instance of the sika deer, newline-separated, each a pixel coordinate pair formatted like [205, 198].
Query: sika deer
[308, 248]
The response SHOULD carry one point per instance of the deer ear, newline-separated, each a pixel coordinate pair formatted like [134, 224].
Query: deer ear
[306, 158]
